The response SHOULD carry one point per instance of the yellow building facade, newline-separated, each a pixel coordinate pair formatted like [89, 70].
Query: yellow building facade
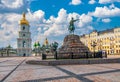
[107, 41]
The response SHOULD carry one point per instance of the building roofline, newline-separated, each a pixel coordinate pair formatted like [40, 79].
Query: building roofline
[102, 32]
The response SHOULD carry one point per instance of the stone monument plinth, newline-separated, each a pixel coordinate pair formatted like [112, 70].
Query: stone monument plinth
[72, 48]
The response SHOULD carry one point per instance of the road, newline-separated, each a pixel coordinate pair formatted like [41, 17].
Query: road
[14, 69]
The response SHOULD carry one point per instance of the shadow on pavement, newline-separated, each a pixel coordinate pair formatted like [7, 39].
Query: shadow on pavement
[80, 77]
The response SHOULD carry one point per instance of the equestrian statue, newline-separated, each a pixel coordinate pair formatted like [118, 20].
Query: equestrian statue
[71, 25]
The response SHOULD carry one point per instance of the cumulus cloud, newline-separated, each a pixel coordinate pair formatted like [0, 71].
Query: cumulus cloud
[61, 23]
[75, 2]
[12, 3]
[9, 29]
[112, 6]
[92, 2]
[107, 20]
[54, 28]
[85, 19]
[9, 26]
[37, 16]
[37, 24]
[106, 12]
[108, 1]
[16, 6]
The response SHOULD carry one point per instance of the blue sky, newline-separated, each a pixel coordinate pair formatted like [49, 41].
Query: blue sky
[52, 7]
[50, 18]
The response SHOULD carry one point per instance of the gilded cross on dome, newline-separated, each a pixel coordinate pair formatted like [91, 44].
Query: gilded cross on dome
[23, 20]
[23, 15]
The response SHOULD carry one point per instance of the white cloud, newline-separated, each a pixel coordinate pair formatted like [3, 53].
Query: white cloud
[103, 12]
[58, 24]
[37, 16]
[9, 25]
[57, 27]
[14, 6]
[75, 2]
[9, 29]
[107, 20]
[12, 3]
[85, 30]
[54, 28]
[108, 1]
[39, 29]
[85, 19]
[92, 2]
[62, 16]
[112, 6]
[61, 23]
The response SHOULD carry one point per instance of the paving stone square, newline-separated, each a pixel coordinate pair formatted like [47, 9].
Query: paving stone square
[15, 69]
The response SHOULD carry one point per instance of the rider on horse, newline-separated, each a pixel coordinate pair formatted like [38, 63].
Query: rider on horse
[71, 26]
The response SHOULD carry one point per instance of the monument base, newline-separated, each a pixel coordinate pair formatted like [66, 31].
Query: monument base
[74, 61]
[72, 48]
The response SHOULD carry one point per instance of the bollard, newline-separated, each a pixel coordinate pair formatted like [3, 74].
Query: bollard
[56, 55]
[71, 55]
[87, 55]
[43, 56]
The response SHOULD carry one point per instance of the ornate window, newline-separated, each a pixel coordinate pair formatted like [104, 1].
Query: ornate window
[23, 27]
[24, 44]
[23, 34]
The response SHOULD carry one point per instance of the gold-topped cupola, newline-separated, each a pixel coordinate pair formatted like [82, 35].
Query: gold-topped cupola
[23, 20]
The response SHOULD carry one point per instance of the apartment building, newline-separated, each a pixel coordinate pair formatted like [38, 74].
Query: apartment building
[107, 41]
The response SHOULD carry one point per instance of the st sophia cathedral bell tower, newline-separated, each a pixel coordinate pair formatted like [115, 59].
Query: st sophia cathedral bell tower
[24, 40]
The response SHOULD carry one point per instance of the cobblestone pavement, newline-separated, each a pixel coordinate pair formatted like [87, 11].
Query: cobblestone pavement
[15, 69]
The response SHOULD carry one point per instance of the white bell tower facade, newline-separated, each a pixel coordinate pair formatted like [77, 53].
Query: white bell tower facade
[24, 40]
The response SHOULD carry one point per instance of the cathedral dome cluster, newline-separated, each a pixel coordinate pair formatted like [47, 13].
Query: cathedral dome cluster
[23, 20]
[46, 44]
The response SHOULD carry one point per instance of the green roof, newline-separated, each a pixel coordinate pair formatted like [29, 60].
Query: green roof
[35, 45]
[38, 44]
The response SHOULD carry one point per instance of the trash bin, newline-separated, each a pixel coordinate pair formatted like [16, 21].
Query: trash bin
[71, 55]
[43, 56]
[86, 54]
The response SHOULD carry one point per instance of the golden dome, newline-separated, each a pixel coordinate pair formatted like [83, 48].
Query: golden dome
[46, 42]
[23, 20]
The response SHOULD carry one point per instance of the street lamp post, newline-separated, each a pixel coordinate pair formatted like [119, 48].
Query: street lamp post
[35, 47]
[1, 52]
[8, 48]
[55, 46]
[94, 45]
